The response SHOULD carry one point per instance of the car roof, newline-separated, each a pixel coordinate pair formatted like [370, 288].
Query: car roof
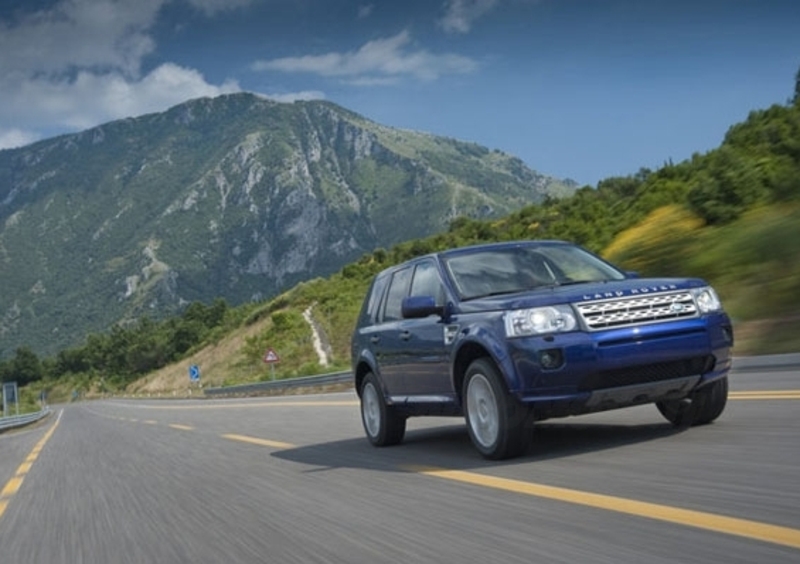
[456, 251]
[499, 246]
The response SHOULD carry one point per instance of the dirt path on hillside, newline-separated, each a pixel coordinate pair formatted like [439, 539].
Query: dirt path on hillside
[321, 343]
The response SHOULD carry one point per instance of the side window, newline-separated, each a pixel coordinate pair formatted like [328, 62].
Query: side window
[427, 282]
[370, 314]
[398, 290]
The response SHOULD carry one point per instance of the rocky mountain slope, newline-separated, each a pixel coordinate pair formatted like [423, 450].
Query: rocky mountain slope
[236, 197]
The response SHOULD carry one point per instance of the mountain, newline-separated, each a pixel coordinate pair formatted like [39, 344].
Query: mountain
[236, 197]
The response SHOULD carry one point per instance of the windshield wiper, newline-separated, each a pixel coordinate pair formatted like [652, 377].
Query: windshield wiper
[497, 293]
[558, 284]
[574, 282]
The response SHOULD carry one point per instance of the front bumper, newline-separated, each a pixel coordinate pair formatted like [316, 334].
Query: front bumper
[620, 367]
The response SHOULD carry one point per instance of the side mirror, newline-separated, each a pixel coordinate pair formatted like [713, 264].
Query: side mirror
[415, 307]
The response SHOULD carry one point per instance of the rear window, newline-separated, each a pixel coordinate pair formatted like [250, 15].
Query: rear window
[369, 314]
[398, 289]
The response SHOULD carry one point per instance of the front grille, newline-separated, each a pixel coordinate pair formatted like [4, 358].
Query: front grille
[647, 373]
[625, 312]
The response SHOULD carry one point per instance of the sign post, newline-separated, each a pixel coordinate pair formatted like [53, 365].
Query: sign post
[194, 377]
[10, 395]
[271, 358]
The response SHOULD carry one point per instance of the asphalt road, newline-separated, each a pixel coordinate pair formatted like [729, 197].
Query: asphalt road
[292, 479]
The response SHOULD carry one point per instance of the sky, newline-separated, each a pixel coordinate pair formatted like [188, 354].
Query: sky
[580, 89]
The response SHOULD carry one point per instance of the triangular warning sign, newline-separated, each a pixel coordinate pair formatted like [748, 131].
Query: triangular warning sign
[271, 356]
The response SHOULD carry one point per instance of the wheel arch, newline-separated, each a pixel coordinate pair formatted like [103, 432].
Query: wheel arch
[466, 355]
[359, 373]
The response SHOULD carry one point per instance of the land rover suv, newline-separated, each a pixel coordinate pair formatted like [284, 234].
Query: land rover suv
[507, 334]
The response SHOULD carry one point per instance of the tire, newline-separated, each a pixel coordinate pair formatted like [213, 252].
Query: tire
[700, 408]
[382, 425]
[715, 396]
[497, 423]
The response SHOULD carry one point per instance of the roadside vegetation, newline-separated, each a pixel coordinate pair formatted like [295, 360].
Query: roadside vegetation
[731, 216]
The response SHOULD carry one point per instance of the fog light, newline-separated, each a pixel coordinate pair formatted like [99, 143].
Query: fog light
[550, 359]
[727, 333]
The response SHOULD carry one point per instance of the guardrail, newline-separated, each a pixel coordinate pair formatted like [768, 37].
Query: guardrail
[766, 362]
[301, 382]
[20, 420]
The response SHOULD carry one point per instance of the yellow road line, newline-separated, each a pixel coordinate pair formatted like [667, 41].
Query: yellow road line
[15, 483]
[181, 427]
[150, 422]
[25, 466]
[331, 403]
[12, 486]
[257, 441]
[765, 532]
[759, 392]
[765, 395]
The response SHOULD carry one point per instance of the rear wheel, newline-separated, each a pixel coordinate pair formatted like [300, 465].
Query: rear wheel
[383, 426]
[496, 421]
[700, 408]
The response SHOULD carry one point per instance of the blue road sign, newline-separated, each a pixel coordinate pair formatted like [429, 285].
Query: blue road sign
[194, 373]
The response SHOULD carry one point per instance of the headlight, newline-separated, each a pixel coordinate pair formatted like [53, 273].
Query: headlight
[540, 321]
[706, 299]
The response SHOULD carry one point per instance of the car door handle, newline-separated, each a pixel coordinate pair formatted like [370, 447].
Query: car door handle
[405, 335]
[374, 339]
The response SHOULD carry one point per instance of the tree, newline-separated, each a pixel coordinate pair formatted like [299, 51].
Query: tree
[730, 183]
[26, 366]
[6, 371]
[186, 334]
[73, 361]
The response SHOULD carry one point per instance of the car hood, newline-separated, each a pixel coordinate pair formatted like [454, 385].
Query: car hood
[584, 292]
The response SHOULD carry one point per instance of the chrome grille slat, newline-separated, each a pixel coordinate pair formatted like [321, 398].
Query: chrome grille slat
[638, 310]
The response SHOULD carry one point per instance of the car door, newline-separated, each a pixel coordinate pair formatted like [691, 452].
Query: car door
[426, 356]
[385, 339]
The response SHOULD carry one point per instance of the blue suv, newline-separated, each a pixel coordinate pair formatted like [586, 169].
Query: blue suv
[507, 334]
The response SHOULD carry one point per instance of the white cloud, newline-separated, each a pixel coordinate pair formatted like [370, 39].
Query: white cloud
[92, 98]
[460, 14]
[11, 138]
[375, 60]
[98, 34]
[77, 63]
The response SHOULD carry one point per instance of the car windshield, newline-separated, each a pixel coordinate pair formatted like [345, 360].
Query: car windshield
[490, 272]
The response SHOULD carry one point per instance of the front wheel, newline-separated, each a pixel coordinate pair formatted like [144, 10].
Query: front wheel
[700, 408]
[382, 425]
[496, 421]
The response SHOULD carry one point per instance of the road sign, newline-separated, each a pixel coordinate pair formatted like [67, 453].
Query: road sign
[10, 396]
[194, 373]
[271, 356]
